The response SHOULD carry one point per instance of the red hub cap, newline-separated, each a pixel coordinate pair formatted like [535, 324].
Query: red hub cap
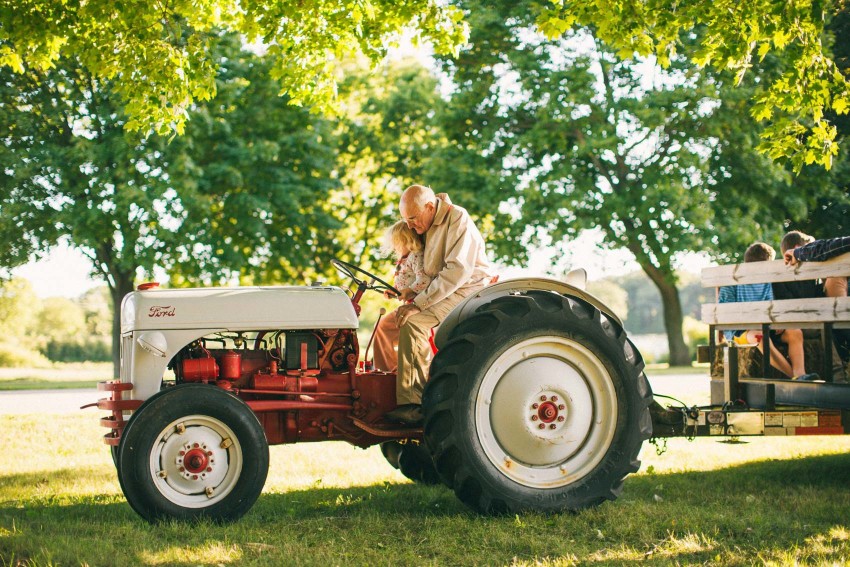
[547, 412]
[196, 461]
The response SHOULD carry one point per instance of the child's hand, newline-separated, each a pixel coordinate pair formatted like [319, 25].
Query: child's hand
[389, 294]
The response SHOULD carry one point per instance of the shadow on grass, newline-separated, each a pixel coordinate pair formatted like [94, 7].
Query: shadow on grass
[739, 515]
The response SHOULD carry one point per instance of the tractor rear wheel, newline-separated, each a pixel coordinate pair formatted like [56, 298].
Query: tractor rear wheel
[193, 451]
[536, 402]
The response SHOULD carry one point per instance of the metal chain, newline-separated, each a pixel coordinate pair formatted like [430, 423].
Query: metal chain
[660, 447]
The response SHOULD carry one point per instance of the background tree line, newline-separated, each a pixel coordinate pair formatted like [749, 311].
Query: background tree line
[36, 331]
[541, 136]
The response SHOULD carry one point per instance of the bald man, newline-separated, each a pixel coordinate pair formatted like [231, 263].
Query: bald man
[455, 257]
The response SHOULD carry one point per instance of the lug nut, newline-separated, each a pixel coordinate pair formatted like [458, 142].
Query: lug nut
[554, 398]
[209, 469]
[562, 407]
[181, 453]
[533, 418]
[552, 426]
[542, 398]
[560, 418]
[541, 426]
[535, 405]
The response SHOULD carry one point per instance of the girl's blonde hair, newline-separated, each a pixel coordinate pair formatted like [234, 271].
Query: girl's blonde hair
[399, 237]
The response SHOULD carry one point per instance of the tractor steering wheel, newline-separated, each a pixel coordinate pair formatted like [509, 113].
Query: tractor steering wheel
[351, 271]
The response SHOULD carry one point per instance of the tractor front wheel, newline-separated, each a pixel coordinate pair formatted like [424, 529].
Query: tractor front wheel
[193, 451]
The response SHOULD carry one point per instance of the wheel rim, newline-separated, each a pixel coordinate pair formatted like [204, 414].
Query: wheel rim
[196, 461]
[546, 412]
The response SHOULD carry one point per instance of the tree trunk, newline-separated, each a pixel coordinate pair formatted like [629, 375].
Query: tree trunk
[679, 355]
[122, 286]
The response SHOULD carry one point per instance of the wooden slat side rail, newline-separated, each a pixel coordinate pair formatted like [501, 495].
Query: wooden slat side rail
[821, 310]
[775, 271]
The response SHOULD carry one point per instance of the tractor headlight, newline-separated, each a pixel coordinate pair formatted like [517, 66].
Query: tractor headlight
[154, 342]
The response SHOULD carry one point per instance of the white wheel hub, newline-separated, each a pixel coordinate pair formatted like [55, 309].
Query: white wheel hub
[546, 412]
[196, 461]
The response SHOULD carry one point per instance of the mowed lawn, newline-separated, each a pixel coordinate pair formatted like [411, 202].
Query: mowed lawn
[776, 501]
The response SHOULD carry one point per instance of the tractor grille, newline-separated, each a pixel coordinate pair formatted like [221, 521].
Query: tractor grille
[126, 358]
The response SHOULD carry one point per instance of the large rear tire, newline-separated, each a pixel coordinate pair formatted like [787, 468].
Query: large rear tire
[193, 451]
[536, 402]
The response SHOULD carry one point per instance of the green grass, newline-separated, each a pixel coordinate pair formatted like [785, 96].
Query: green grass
[61, 376]
[773, 501]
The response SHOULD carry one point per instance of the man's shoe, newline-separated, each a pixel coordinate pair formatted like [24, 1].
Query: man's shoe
[811, 377]
[408, 414]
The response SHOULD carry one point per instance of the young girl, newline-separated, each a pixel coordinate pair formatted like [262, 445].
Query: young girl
[410, 279]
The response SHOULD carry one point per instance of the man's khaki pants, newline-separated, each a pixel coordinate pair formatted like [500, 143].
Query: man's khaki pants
[414, 350]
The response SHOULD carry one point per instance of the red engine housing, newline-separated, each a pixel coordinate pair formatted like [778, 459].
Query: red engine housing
[320, 396]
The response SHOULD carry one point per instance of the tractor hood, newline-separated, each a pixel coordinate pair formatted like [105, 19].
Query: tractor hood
[238, 308]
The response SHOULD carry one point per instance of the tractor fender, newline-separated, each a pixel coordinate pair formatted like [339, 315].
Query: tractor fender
[514, 287]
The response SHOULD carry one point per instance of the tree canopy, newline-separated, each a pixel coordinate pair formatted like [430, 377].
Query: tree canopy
[158, 55]
[661, 161]
[736, 36]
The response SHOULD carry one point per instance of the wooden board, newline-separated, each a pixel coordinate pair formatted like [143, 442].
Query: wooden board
[821, 309]
[775, 271]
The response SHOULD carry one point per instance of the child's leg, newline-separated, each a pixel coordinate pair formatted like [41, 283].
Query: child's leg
[794, 339]
[776, 359]
[835, 287]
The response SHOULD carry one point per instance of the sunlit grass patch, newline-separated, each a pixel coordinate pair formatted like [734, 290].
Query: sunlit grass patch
[211, 552]
[830, 547]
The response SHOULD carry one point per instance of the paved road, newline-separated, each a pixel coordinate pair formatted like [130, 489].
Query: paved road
[691, 388]
[48, 401]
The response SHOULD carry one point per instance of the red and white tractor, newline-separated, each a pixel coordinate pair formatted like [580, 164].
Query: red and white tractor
[536, 398]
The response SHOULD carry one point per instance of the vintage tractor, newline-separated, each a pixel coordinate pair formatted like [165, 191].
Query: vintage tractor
[536, 398]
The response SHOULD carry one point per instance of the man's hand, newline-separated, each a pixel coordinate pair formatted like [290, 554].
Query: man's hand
[407, 294]
[405, 312]
[790, 259]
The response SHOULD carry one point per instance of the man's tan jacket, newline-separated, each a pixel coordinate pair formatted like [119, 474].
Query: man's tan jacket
[454, 256]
